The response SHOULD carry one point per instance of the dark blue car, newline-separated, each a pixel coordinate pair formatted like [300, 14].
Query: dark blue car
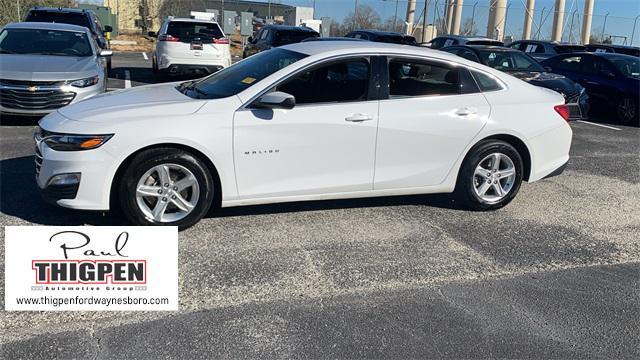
[611, 80]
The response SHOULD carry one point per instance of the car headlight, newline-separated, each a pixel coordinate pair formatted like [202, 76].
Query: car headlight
[73, 142]
[82, 83]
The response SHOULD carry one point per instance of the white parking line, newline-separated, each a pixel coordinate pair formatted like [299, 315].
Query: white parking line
[144, 54]
[594, 124]
[127, 79]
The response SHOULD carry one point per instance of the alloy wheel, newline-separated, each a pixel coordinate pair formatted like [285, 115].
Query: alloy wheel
[167, 193]
[627, 110]
[494, 177]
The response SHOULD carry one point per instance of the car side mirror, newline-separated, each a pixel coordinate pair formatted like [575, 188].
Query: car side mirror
[106, 53]
[250, 39]
[152, 34]
[276, 100]
[108, 29]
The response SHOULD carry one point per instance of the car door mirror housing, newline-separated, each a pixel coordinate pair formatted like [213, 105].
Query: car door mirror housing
[250, 39]
[152, 34]
[108, 29]
[106, 53]
[276, 100]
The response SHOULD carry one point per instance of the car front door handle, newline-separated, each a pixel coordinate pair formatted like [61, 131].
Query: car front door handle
[466, 111]
[358, 118]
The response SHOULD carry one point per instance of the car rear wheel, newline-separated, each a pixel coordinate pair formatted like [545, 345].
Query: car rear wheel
[166, 187]
[627, 111]
[490, 176]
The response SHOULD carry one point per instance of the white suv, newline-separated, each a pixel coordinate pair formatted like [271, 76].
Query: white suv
[190, 47]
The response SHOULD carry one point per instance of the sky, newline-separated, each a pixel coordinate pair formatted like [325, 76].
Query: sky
[619, 22]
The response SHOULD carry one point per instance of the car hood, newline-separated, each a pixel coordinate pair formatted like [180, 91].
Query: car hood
[138, 102]
[47, 67]
[551, 81]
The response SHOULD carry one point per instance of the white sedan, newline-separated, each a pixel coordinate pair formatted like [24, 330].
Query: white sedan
[309, 121]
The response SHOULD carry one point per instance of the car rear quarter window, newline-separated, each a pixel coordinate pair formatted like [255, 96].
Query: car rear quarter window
[486, 82]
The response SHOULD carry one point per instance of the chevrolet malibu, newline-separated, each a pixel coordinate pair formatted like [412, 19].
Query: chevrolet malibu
[309, 121]
[45, 66]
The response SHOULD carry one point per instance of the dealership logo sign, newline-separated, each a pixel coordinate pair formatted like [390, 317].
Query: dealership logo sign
[91, 268]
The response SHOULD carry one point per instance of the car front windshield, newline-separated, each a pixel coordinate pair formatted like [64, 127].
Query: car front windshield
[628, 66]
[44, 42]
[242, 75]
[509, 61]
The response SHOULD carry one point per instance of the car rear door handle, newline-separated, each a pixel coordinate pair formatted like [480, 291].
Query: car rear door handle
[466, 111]
[358, 118]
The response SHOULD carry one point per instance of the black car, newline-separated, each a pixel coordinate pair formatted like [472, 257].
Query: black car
[383, 36]
[524, 67]
[271, 36]
[80, 17]
[618, 49]
[452, 40]
[541, 50]
[611, 80]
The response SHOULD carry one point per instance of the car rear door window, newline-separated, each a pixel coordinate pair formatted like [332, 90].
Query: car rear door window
[341, 81]
[413, 78]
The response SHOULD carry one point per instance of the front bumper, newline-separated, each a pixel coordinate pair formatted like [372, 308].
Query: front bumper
[27, 100]
[95, 167]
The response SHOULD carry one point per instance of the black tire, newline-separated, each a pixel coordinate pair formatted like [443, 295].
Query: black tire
[627, 111]
[147, 160]
[465, 191]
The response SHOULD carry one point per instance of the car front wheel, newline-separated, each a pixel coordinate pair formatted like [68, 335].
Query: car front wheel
[166, 187]
[490, 176]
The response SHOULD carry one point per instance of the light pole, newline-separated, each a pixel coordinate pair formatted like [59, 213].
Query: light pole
[355, 15]
[604, 26]
[395, 17]
[540, 24]
[571, 27]
[473, 17]
[634, 29]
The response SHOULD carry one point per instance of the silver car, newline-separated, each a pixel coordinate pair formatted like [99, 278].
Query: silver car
[45, 66]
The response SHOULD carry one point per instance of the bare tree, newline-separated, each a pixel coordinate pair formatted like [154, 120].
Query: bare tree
[468, 27]
[364, 18]
[14, 11]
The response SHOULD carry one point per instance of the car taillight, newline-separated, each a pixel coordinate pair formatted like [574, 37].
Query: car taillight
[563, 110]
[221, 41]
[168, 37]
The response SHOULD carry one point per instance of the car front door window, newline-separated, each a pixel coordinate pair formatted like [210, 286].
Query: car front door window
[337, 82]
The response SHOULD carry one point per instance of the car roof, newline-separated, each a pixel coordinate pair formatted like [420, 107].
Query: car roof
[350, 47]
[288, 27]
[192, 20]
[61, 9]
[380, 32]
[467, 37]
[613, 55]
[485, 47]
[612, 46]
[46, 26]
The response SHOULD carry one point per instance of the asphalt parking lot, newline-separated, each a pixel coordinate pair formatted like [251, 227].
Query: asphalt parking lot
[553, 275]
